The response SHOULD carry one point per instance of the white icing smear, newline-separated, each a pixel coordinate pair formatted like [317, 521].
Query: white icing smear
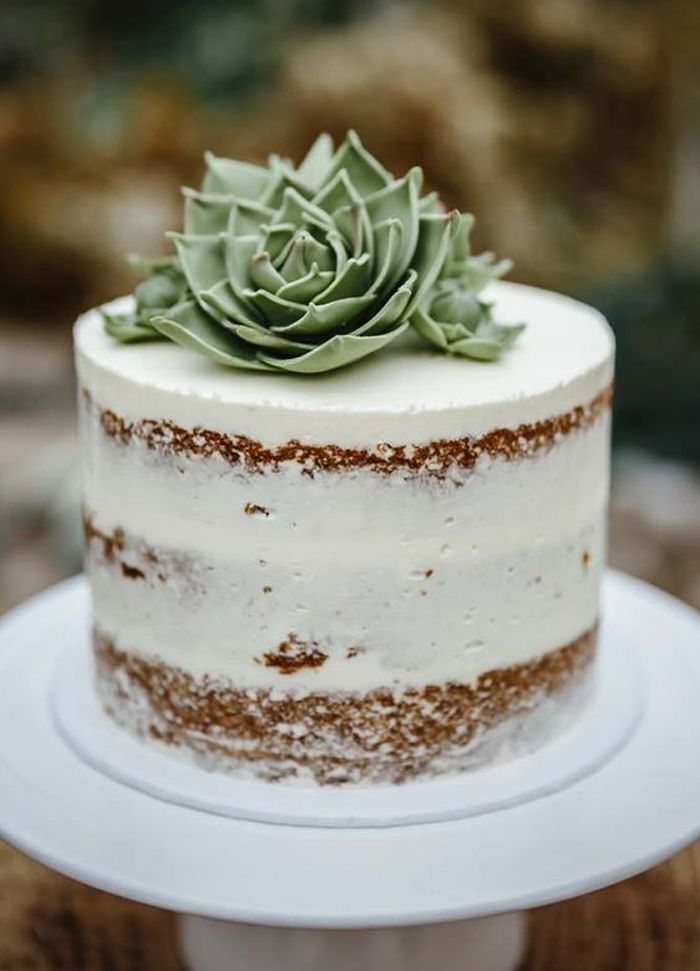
[381, 626]
[433, 580]
[406, 394]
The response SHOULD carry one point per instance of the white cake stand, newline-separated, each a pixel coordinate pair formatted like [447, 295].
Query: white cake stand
[265, 895]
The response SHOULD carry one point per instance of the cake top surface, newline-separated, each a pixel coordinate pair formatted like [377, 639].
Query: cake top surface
[563, 341]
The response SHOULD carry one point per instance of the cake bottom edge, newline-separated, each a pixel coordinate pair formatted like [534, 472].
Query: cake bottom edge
[383, 736]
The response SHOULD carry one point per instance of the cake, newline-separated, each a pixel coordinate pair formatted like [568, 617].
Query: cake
[380, 567]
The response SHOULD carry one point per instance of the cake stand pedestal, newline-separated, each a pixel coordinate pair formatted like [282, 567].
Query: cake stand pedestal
[482, 944]
[422, 895]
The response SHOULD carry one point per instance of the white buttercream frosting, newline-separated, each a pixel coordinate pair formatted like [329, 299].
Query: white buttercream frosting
[432, 579]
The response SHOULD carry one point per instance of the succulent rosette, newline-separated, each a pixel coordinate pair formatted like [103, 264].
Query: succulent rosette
[452, 316]
[307, 269]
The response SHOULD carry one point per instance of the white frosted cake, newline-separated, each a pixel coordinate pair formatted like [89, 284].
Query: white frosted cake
[376, 573]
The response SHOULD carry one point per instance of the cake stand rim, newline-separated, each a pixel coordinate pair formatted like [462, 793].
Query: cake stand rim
[45, 840]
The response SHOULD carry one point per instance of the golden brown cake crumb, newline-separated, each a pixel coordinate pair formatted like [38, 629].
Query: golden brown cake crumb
[381, 735]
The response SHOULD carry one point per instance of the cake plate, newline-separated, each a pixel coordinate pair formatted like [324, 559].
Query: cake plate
[389, 895]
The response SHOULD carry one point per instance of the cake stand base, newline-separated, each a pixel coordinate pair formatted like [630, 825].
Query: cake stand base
[482, 944]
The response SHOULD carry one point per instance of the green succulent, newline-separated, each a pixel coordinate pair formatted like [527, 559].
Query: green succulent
[308, 269]
[453, 317]
[164, 286]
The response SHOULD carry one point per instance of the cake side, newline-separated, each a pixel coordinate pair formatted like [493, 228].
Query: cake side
[395, 550]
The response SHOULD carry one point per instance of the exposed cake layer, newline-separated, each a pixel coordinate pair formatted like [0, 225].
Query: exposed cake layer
[437, 459]
[379, 736]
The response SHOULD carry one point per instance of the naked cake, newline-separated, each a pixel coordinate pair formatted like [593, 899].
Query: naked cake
[344, 493]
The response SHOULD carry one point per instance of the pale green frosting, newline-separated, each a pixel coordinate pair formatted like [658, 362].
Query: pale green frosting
[308, 269]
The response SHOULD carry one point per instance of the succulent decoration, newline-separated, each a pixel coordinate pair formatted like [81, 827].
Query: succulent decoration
[309, 268]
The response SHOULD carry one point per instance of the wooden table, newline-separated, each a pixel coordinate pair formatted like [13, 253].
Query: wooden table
[649, 923]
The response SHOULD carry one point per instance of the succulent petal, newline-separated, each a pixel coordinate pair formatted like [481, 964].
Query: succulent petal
[353, 280]
[355, 227]
[296, 260]
[322, 318]
[339, 351]
[128, 328]
[264, 337]
[222, 302]
[428, 329]
[206, 213]
[457, 305]
[312, 170]
[392, 311]
[282, 178]
[306, 288]
[238, 252]
[481, 270]
[387, 241]
[276, 311]
[298, 211]
[263, 274]
[337, 193]
[226, 176]
[436, 234]
[399, 201]
[246, 217]
[319, 253]
[275, 238]
[461, 248]
[162, 289]
[201, 259]
[365, 172]
[476, 347]
[189, 325]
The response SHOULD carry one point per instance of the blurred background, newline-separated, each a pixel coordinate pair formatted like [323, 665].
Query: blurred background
[570, 127]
